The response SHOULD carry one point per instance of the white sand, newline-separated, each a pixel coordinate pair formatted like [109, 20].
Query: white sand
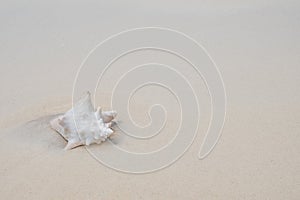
[256, 45]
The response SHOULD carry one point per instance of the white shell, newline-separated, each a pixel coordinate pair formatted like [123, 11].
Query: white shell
[82, 125]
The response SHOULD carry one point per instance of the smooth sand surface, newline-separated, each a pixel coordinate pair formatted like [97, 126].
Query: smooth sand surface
[256, 45]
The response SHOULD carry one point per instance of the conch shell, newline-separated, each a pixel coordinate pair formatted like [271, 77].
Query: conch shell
[82, 125]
